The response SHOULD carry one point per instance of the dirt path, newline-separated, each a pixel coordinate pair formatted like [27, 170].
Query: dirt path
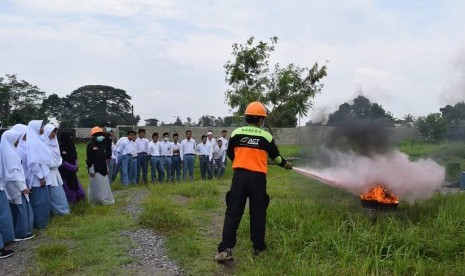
[148, 248]
[22, 260]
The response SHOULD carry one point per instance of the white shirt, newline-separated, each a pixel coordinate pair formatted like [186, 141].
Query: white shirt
[126, 147]
[154, 148]
[176, 148]
[134, 149]
[219, 153]
[187, 147]
[114, 152]
[204, 149]
[166, 148]
[212, 142]
[225, 142]
[142, 145]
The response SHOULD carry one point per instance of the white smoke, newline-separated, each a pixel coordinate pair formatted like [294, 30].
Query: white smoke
[408, 180]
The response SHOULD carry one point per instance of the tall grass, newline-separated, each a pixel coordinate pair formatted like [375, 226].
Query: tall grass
[313, 229]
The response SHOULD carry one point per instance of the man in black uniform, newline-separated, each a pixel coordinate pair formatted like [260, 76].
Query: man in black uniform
[249, 148]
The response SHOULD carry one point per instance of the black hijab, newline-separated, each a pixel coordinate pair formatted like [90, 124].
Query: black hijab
[67, 147]
[69, 154]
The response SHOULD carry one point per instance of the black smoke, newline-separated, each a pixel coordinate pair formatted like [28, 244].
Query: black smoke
[362, 136]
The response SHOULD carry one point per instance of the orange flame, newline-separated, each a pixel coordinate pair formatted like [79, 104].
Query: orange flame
[380, 194]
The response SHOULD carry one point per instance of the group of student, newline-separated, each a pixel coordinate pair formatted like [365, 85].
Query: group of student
[132, 155]
[37, 179]
[38, 170]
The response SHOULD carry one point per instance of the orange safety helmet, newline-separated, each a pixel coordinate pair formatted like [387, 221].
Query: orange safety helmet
[255, 109]
[95, 130]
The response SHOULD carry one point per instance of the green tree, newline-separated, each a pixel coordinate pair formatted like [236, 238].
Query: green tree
[206, 121]
[286, 92]
[361, 108]
[178, 122]
[61, 110]
[20, 101]
[93, 105]
[432, 127]
[227, 121]
[152, 122]
[454, 115]
[408, 120]
[188, 121]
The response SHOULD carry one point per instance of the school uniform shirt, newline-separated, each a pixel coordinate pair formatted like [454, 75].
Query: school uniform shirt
[10, 163]
[205, 150]
[142, 145]
[212, 142]
[55, 160]
[22, 146]
[114, 152]
[154, 148]
[134, 149]
[176, 148]
[126, 147]
[187, 147]
[166, 148]
[224, 141]
[38, 156]
[219, 153]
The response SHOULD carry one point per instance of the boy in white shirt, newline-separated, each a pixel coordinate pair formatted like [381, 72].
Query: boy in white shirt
[166, 152]
[205, 153]
[219, 154]
[126, 148]
[176, 159]
[155, 158]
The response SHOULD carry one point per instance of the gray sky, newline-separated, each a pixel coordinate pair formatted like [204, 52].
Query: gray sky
[408, 56]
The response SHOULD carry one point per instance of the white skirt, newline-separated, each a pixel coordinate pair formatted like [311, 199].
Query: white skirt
[99, 191]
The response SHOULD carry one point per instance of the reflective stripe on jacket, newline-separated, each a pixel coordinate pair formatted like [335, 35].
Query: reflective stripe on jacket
[249, 148]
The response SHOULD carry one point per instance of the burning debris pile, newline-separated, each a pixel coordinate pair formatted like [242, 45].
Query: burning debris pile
[368, 166]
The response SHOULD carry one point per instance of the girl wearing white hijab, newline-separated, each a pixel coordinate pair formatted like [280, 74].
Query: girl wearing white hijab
[7, 232]
[13, 175]
[22, 146]
[58, 200]
[38, 175]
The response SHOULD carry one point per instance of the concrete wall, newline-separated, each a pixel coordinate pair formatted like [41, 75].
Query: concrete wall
[308, 135]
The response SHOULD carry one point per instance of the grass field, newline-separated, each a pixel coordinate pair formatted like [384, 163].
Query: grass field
[312, 229]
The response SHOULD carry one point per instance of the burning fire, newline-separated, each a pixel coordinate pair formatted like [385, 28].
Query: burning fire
[381, 195]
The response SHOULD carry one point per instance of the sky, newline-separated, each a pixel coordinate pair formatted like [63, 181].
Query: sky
[168, 55]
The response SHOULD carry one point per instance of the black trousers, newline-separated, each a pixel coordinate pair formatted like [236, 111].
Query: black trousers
[252, 185]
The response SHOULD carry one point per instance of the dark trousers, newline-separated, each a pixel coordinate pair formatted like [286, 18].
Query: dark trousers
[205, 168]
[142, 164]
[176, 168]
[252, 185]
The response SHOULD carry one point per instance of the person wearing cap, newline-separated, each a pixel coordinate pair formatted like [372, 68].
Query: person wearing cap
[212, 142]
[99, 191]
[219, 155]
[225, 143]
[249, 149]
